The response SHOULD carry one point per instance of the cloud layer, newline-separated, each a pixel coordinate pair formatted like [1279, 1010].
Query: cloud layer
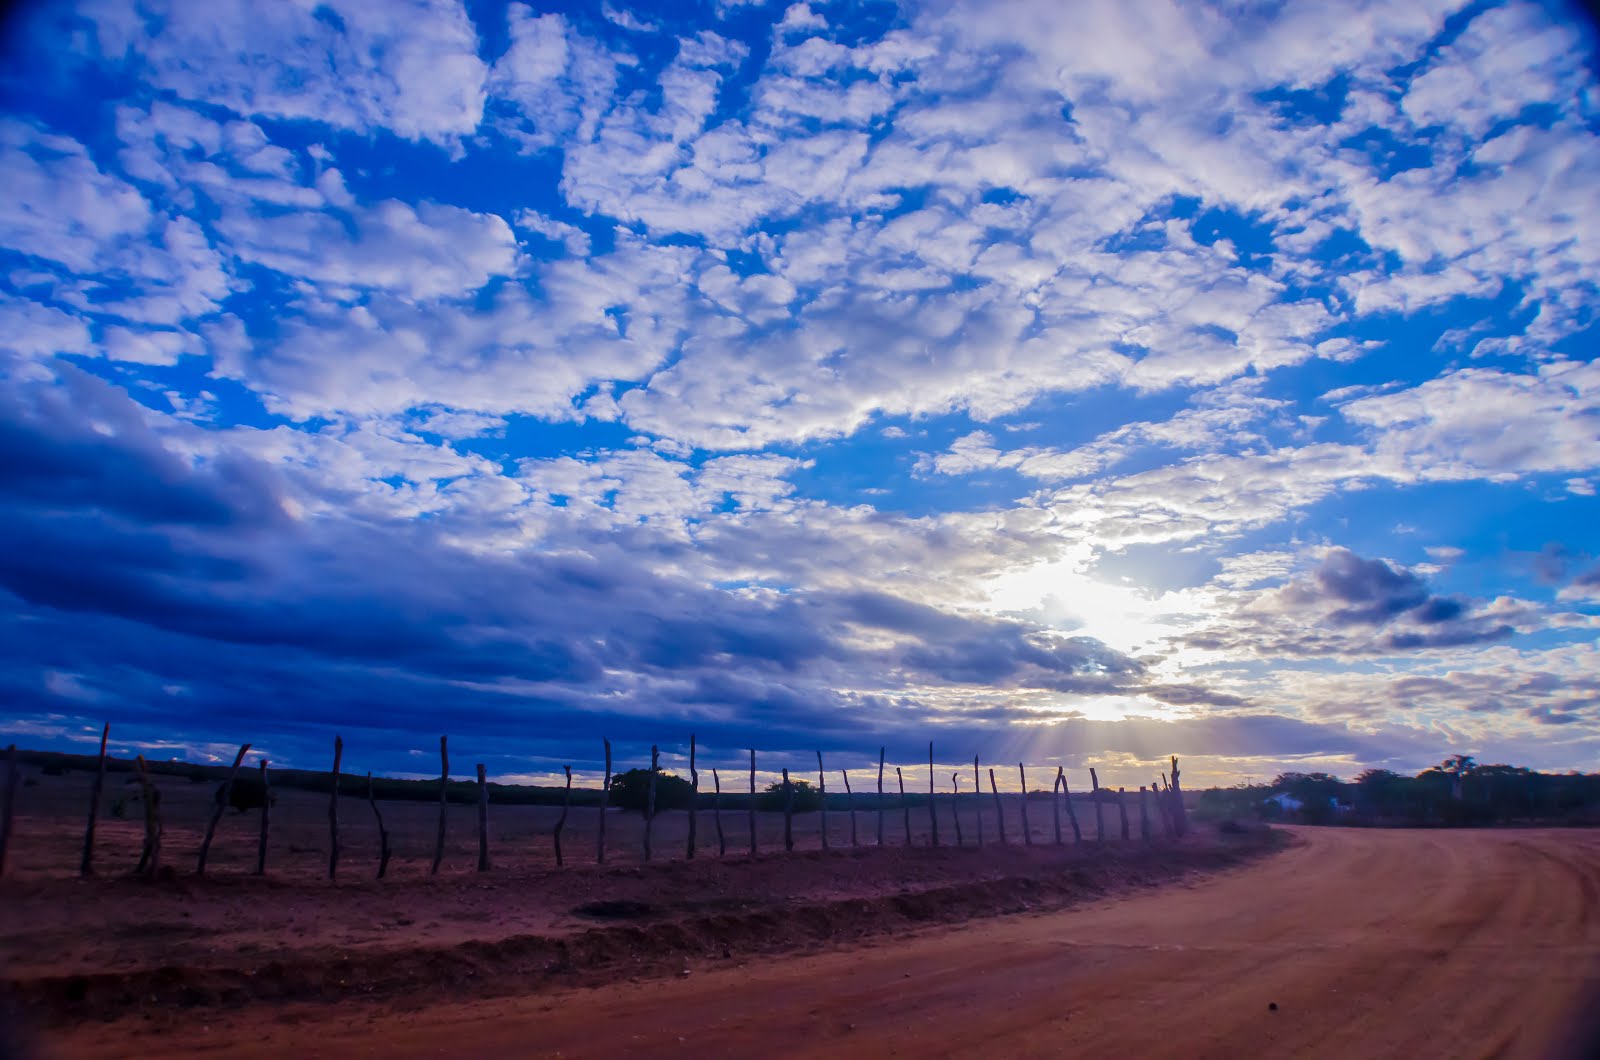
[1017, 372]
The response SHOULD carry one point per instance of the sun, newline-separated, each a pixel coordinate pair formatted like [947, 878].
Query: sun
[1059, 595]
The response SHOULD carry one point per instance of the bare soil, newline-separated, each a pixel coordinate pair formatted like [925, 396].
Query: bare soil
[1346, 943]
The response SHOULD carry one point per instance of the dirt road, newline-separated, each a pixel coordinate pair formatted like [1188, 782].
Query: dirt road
[1369, 943]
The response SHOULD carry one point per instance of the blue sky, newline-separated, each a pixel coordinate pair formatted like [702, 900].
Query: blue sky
[1086, 382]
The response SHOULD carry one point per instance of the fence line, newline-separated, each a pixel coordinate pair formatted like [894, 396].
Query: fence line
[1166, 793]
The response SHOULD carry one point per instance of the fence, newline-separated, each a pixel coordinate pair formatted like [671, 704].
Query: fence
[516, 828]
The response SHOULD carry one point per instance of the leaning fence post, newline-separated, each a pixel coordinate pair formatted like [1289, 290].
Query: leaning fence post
[333, 810]
[383, 833]
[9, 810]
[483, 819]
[716, 812]
[904, 805]
[216, 811]
[1055, 806]
[880, 796]
[999, 807]
[955, 806]
[150, 858]
[266, 822]
[822, 800]
[650, 799]
[694, 796]
[1099, 818]
[977, 794]
[933, 816]
[1144, 815]
[561, 822]
[1159, 790]
[1027, 830]
[605, 803]
[444, 794]
[1072, 814]
[750, 808]
[1180, 822]
[86, 864]
[850, 805]
[788, 811]
[1122, 811]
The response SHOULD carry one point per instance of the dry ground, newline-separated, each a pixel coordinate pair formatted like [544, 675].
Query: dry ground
[1369, 943]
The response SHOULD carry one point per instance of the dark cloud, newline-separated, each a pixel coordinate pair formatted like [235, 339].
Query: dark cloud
[1350, 606]
[151, 588]
[1366, 591]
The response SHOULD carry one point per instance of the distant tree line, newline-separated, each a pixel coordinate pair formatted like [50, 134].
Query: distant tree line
[1458, 792]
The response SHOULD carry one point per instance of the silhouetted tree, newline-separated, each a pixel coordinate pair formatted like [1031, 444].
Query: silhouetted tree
[631, 791]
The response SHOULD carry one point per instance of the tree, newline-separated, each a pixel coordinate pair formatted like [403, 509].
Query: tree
[1382, 790]
[807, 799]
[631, 791]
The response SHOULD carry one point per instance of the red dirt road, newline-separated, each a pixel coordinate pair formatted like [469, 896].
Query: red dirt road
[1370, 943]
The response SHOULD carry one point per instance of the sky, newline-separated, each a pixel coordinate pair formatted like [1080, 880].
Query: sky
[1071, 383]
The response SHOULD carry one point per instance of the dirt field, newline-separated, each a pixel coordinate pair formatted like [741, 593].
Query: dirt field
[1369, 943]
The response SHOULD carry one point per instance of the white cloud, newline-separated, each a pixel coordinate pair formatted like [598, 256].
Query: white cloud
[418, 252]
[407, 66]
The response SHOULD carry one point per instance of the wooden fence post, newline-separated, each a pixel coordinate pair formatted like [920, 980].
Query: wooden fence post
[483, 819]
[605, 804]
[1099, 817]
[561, 822]
[1180, 816]
[1162, 808]
[333, 810]
[1055, 806]
[904, 805]
[850, 806]
[977, 795]
[880, 796]
[955, 805]
[1027, 831]
[822, 798]
[150, 858]
[1144, 814]
[1066, 794]
[788, 811]
[716, 812]
[266, 822]
[1122, 811]
[444, 794]
[8, 812]
[694, 796]
[750, 808]
[933, 816]
[999, 807]
[650, 799]
[384, 852]
[221, 801]
[86, 863]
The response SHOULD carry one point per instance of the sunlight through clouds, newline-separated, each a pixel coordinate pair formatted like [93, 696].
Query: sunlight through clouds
[1103, 377]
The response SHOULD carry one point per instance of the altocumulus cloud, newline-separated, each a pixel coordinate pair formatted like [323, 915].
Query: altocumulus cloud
[1097, 379]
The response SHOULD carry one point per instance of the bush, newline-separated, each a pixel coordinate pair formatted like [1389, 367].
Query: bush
[631, 791]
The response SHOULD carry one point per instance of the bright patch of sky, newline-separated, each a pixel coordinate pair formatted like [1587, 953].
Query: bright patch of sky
[1093, 381]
